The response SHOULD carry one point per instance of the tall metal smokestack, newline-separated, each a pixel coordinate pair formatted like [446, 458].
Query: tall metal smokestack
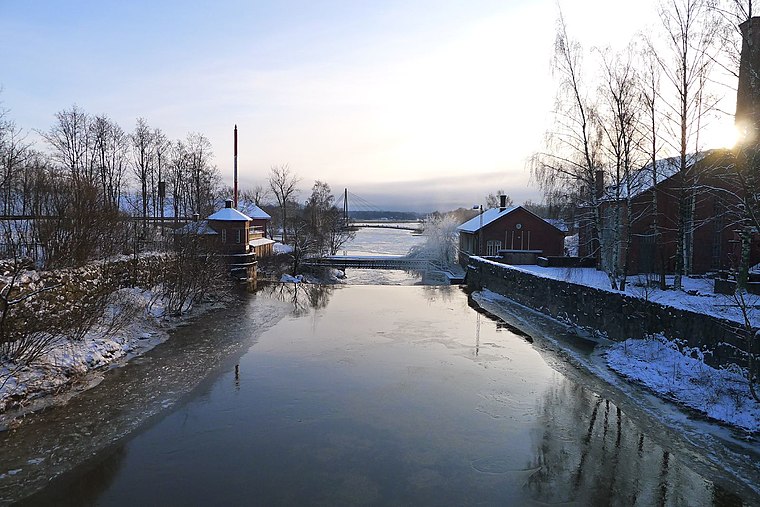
[235, 184]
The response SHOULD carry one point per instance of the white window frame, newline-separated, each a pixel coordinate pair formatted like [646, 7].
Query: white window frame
[492, 247]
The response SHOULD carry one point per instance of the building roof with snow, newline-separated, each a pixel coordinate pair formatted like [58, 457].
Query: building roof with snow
[229, 215]
[665, 168]
[254, 211]
[261, 242]
[491, 215]
[482, 220]
[201, 228]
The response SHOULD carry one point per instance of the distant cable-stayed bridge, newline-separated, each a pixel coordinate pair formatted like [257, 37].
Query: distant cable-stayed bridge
[360, 204]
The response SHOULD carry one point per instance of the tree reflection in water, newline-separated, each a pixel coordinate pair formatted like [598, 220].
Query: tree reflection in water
[304, 297]
[588, 451]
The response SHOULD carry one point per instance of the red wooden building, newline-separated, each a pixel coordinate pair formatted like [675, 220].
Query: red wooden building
[511, 232]
[711, 194]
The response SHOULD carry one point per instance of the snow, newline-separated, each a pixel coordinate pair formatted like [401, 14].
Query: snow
[253, 211]
[485, 218]
[571, 245]
[229, 215]
[291, 279]
[69, 361]
[260, 242]
[280, 248]
[675, 377]
[666, 168]
[721, 394]
[697, 295]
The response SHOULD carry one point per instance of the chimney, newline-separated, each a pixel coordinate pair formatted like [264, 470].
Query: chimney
[747, 117]
[599, 184]
[228, 203]
[502, 202]
[235, 179]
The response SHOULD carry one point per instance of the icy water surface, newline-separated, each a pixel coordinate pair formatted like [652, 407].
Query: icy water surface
[376, 241]
[384, 396]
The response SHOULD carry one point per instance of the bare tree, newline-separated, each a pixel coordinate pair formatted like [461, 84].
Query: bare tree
[284, 185]
[143, 152]
[204, 177]
[257, 194]
[71, 142]
[162, 148]
[324, 221]
[109, 144]
[571, 165]
[650, 96]
[493, 200]
[15, 151]
[622, 132]
[690, 33]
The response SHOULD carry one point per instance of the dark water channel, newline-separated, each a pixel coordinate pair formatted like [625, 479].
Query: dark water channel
[358, 395]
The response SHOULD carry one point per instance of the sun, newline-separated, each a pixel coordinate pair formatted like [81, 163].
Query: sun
[722, 135]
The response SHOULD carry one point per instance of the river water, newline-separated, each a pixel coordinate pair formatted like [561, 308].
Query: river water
[353, 395]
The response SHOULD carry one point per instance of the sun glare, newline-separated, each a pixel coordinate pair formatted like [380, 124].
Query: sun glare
[722, 136]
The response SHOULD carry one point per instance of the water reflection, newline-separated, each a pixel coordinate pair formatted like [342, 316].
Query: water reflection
[587, 451]
[304, 297]
[382, 400]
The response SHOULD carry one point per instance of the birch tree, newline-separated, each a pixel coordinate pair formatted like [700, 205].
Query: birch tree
[571, 164]
[621, 115]
[650, 97]
[689, 32]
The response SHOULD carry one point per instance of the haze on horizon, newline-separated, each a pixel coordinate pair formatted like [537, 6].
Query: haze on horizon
[413, 105]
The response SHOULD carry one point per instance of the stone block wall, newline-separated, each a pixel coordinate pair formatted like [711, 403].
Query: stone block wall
[616, 315]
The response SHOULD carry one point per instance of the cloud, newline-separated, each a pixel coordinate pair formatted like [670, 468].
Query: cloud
[440, 194]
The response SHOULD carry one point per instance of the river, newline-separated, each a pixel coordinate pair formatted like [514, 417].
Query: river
[354, 395]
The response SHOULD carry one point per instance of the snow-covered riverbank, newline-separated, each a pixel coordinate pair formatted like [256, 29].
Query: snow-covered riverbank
[721, 394]
[132, 325]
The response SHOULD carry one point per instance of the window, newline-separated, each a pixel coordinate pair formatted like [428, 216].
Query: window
[493, 247]
[238, 236]
[224, 235]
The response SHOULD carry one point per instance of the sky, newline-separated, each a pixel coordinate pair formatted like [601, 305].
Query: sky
[410, 104]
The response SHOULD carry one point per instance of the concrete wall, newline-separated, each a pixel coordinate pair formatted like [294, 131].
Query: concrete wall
[618, 316]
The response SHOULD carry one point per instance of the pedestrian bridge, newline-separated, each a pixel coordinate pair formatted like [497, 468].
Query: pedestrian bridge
[369, 262]
[412, 226]
[454, 274]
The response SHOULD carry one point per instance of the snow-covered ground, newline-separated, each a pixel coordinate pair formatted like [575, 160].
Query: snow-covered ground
[70, 363]
[697, 294]
[721, 394]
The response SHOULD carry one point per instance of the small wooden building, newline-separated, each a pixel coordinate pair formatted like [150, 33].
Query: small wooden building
[233, 228]
[259, 219]
[512, 232]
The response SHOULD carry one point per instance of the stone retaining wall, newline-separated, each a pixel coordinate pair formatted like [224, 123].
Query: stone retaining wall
[616, 315]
